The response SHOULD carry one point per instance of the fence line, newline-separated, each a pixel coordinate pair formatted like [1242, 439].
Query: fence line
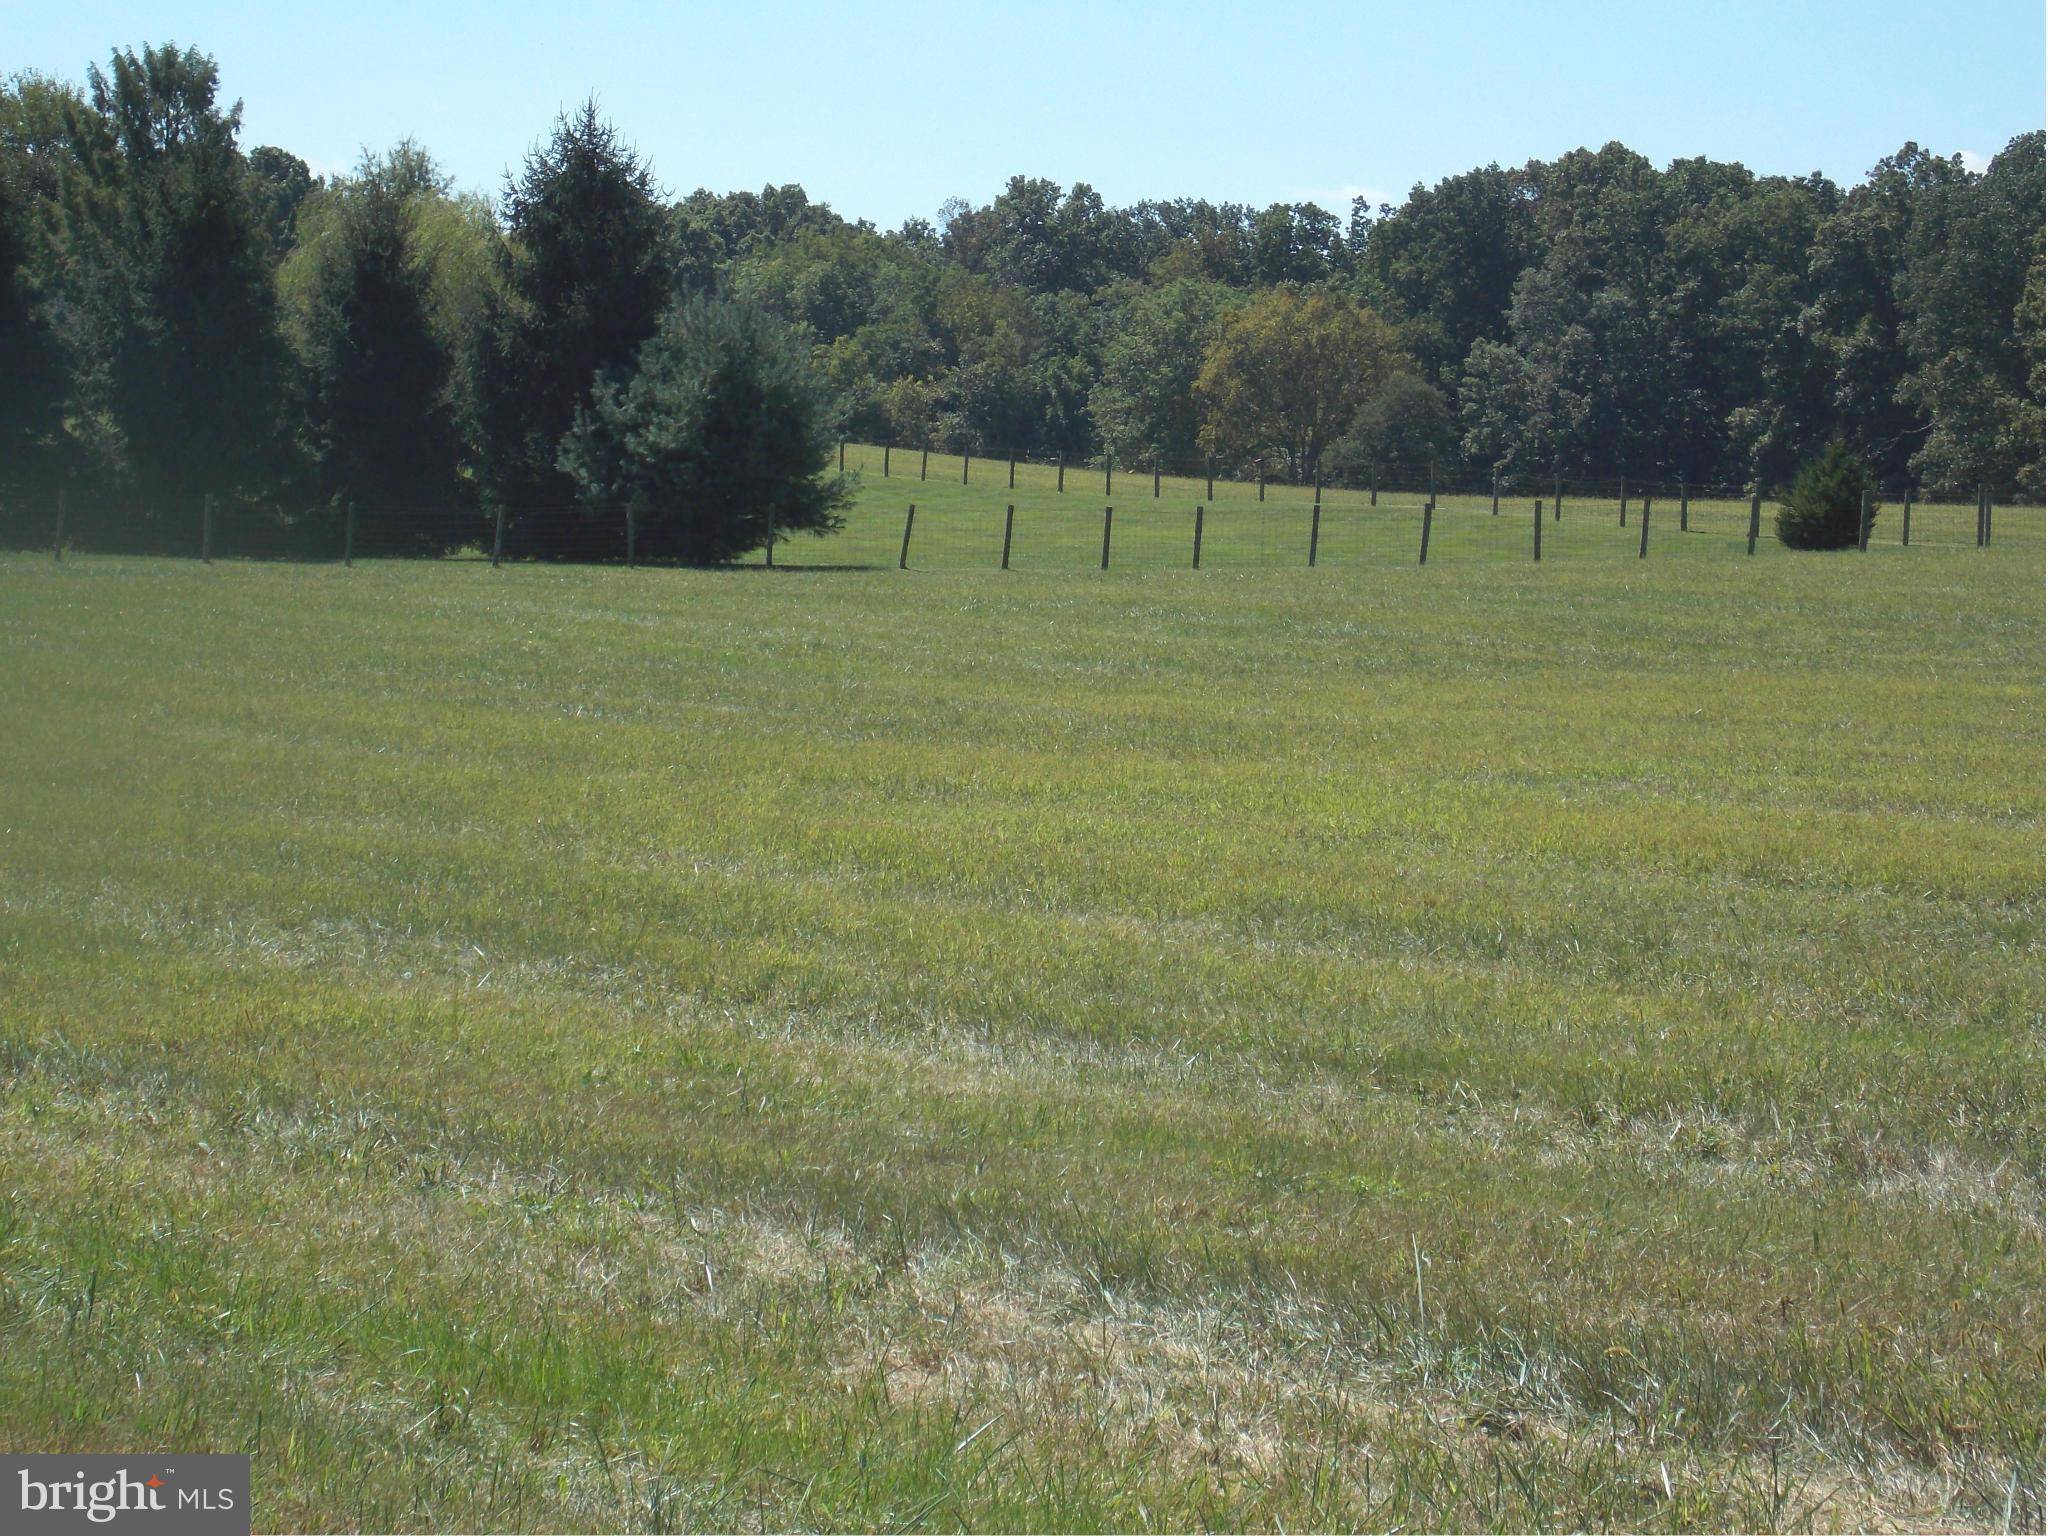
[1414, 513]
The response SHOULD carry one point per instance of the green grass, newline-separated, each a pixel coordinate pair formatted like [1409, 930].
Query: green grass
[1482, 1045]
[960, 526]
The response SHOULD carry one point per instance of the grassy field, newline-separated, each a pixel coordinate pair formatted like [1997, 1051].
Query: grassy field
[1477, 1045]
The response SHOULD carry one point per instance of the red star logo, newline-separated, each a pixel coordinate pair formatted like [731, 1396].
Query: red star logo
[154, 1481]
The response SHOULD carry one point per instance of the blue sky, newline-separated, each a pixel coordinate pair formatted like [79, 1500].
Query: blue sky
[885, 111]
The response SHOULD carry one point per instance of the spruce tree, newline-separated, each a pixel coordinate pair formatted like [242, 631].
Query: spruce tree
[584, 276]
[721, 441]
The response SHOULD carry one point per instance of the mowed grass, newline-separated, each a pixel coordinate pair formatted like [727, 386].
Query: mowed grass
[1475, 1045]
[960, 521]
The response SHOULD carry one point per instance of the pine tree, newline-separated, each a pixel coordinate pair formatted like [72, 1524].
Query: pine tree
[584, 278]
[1824, 509]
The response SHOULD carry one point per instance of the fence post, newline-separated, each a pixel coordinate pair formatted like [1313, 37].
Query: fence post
[1984, 515]
[1210, 466]
[963, 468]
[1155, 479]
[1431, 504]
[1684, 509]
[1262, 479]
[498, 538]
[1315, 532]
[57, 545]
[768, 552]
[1496, 493]
[1374, 482]
[1063, 474]
[1536, 547]
[1106, 467]
[1643, 545]
[1107, 514]
[206, 530]
[1428, 507]
[1906, 518]
[1556, 497]
[1869, 517]
[348, 536]
[1013, 469]
[885, 461]
[1756, 514]
[903, 555]
[1009, 522]
[1319, 490]
[842, 456]
[924, 461]
[1624, 501]
[1198, 538]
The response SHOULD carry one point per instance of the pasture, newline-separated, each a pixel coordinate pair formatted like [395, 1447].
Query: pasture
[1479, 1044]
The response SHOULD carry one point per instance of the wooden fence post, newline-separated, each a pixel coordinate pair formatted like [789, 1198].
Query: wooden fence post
[1198, 538]
[1684, 509]
[1210, 466]
[842, 456]
[885, 461]
[924, 461]
[1374, 482]
[963, 468]
[1107, 514]
[1013, 469]
[1431, 504]
[206, 530]
[348, 536]
[1556, 497]
[1063, 474]
[1496, 493]
[1155, 479]
[1624, 501]
[1536, 547]
[1869, 516]
[498, 538]
[1106, 469]
[1756, 514]
[1009, 522]
[903, 555]
[57, 544]
[1315, 533]
[1262, 480]
[1906, 518]
[1428, 507]
[1643, 545]
[768, 552]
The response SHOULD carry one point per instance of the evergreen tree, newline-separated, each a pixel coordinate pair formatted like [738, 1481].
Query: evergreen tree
[379, 413]
[34, 384]
[1824, 509]
[720, 443]
[584, 276]
[169, 304]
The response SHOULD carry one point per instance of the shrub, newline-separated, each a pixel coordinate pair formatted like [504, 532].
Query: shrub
[1824, 509]
[718, 443]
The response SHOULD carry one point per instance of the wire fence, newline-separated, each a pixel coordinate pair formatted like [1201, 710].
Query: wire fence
[916, 510]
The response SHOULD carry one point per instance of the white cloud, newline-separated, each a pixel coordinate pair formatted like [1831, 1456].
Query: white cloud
[1972, 161]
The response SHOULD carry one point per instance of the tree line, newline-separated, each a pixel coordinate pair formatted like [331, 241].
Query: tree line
[182, 319]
